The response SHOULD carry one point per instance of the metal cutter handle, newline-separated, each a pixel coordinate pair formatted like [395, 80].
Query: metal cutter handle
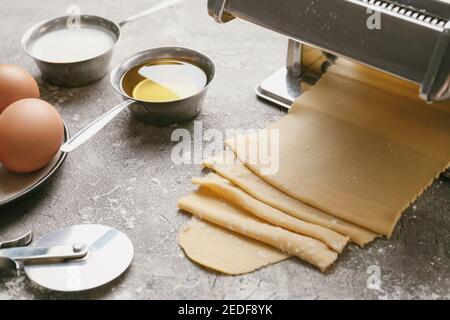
[14, 253]
[18, 242]
[44, 254]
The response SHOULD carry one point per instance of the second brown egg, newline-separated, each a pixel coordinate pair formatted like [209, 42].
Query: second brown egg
[15, 84]
[31, 133]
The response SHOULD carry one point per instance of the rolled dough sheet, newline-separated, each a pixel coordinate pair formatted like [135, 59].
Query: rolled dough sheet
[225, 251]
[207, 206]
[383, 81]
[357, 152]
[229, 167]
[12, 184]
[240, 198]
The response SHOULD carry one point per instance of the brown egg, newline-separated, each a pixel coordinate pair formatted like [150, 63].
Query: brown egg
[15, 84]
[31, 133]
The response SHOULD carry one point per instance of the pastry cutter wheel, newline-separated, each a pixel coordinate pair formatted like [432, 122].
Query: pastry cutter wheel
[70, 259]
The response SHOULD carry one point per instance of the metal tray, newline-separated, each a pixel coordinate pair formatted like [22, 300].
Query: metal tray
[35, 179]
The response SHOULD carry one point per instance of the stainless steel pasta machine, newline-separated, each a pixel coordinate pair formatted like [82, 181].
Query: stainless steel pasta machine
[405, 38]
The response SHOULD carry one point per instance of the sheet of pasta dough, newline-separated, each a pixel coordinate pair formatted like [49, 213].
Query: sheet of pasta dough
[206, 205]
[222, 250]
[360, 153]
[231, 168]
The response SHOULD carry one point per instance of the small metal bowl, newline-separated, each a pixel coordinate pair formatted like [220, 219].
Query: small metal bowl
[171, 112]
[72, 74]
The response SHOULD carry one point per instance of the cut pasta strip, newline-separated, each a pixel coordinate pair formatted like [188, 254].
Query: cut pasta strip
[232, 169]
[267, 213]
[207, 206]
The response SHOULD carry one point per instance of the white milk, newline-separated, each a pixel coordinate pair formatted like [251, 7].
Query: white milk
[71, 45]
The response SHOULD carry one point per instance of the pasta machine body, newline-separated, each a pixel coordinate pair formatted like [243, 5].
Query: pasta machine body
[406, 38]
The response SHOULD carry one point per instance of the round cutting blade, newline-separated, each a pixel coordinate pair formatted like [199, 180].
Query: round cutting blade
[109, 254]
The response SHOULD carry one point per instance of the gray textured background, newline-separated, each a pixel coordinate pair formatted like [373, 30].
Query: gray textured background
[124, 177]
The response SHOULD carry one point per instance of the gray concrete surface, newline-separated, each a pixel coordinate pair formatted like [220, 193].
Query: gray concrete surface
[124, 177]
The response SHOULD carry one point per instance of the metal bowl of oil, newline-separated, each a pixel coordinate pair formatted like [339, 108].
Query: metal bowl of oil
[168, 84]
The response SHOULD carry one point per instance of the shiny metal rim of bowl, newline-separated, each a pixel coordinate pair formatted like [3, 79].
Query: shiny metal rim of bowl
[75, 73]
[198, 58]
[167, 112]
[59, 23]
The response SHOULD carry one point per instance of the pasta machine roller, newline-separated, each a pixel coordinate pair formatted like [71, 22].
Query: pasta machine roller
[405, 38]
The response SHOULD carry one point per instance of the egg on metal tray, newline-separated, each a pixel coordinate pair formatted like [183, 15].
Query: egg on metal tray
[31, 133]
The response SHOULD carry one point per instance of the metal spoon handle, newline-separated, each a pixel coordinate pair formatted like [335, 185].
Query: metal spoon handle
[149, 11]
[91, 129]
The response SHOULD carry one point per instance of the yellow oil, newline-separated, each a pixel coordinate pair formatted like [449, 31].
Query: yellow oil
[163, 80]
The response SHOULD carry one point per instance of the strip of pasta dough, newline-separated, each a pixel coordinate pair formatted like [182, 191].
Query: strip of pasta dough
[238, 254]
[207, 206]
[267, 213]
[235, 171]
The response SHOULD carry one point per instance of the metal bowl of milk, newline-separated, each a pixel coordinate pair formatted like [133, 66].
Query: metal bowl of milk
[73, 53]
[74, 56]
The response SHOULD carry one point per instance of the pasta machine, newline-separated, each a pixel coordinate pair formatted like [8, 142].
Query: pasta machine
[405, 38]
